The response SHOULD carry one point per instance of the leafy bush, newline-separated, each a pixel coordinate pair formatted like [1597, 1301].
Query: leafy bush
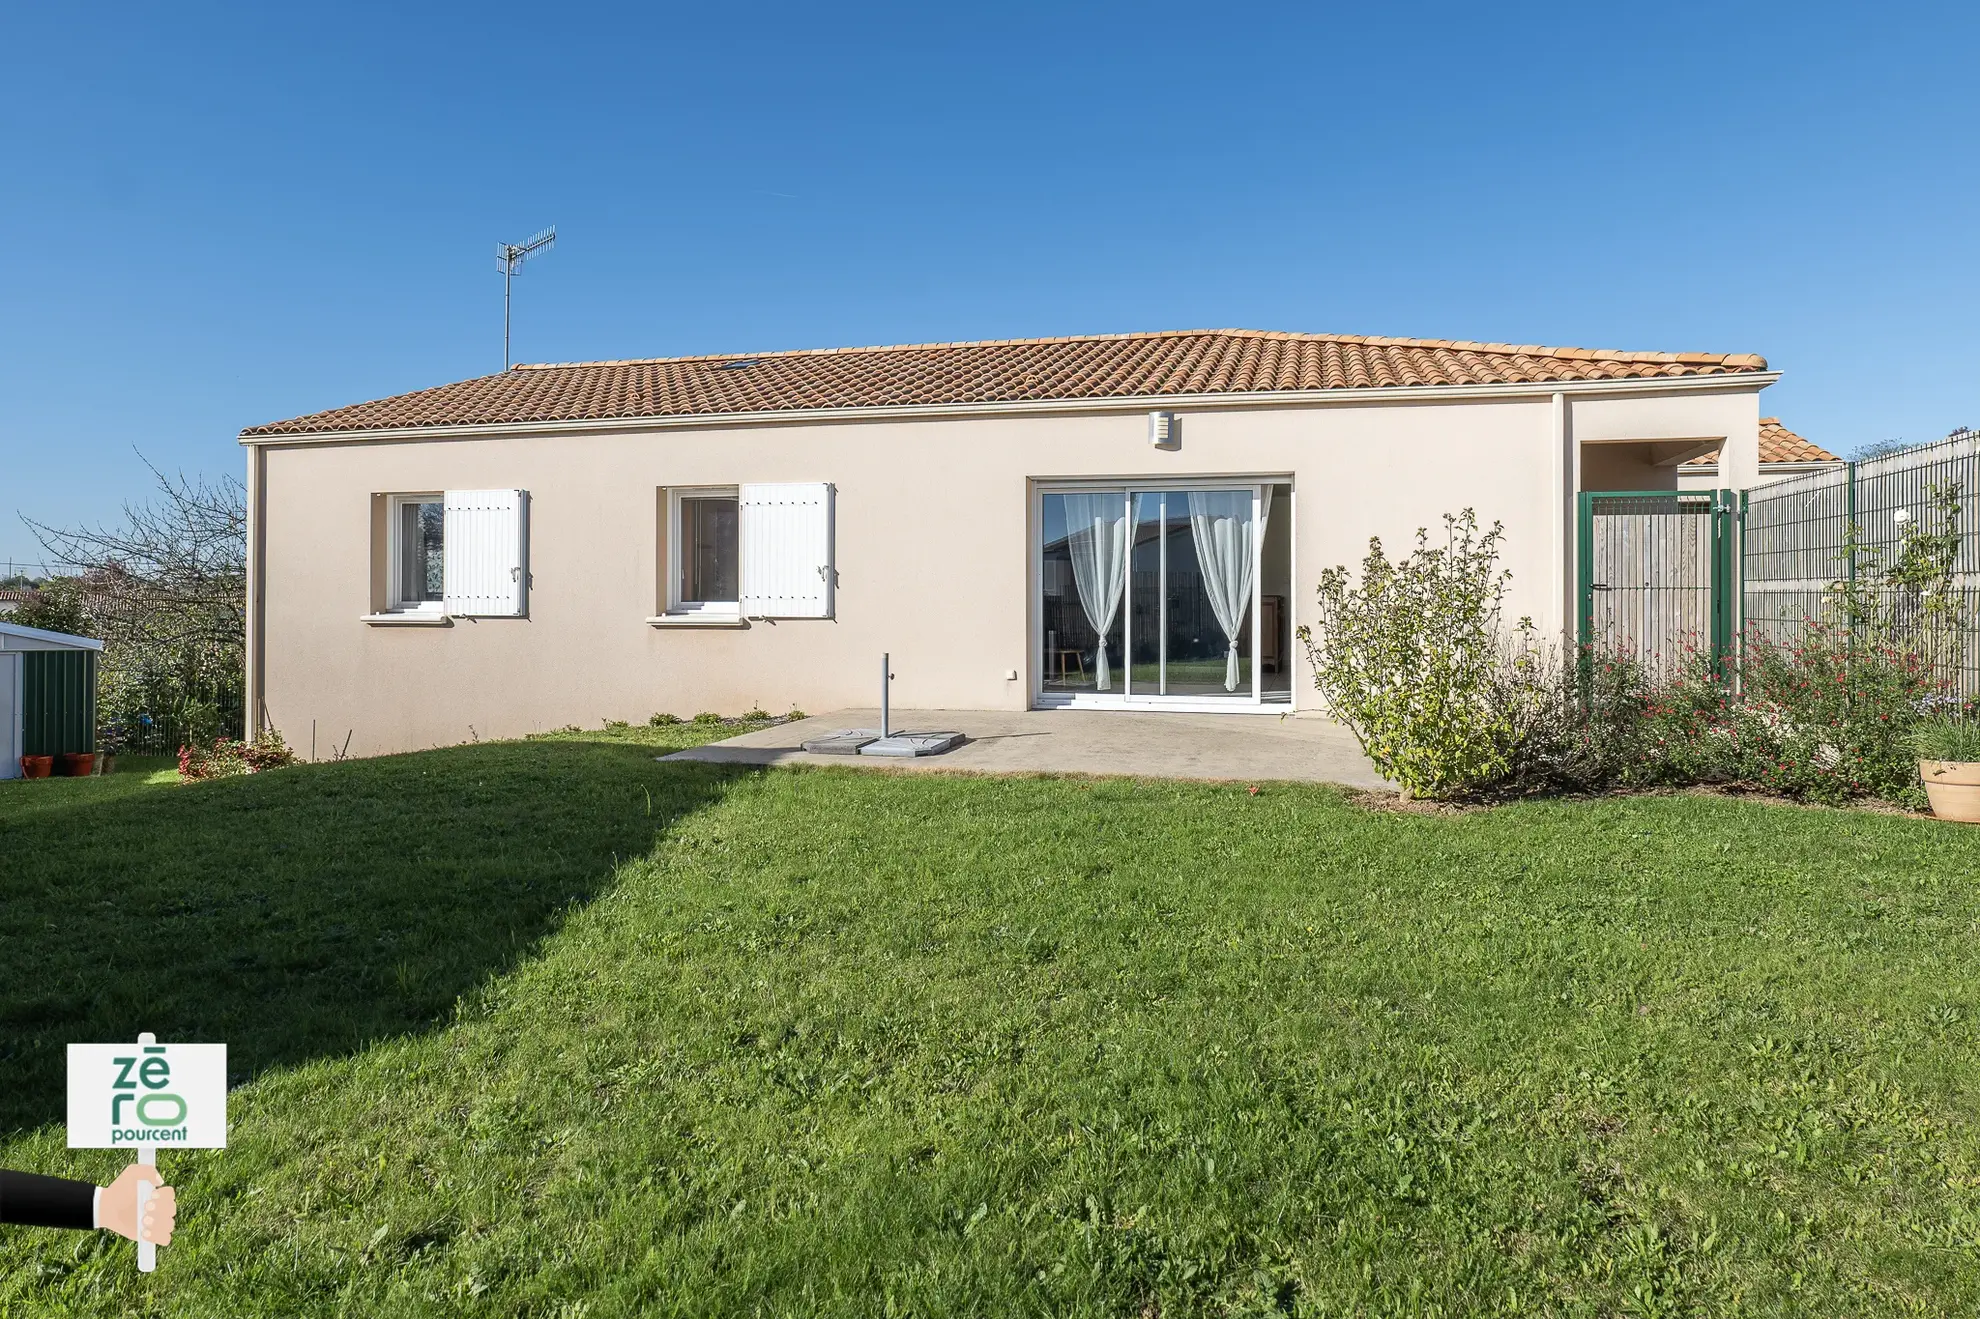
[111, 737]
[662, 720]
[1822, 719]
[708, 717]
[1447, 702]
[1411, 659]
[1813, 720]
[1572, 728]
[1947, 739]
[1834, 715]
[227, 757]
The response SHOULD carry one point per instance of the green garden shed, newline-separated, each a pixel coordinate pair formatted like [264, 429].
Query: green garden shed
[47, 694]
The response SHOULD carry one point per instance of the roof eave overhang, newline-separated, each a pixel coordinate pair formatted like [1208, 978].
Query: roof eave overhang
[68, 640]
[1775, 465]
[1731, 382]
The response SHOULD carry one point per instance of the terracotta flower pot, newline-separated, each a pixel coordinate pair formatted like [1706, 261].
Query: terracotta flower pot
[37, 767]
[1953, 787]
[77, 764]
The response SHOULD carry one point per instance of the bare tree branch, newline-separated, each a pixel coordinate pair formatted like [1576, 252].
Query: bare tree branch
[166, 589]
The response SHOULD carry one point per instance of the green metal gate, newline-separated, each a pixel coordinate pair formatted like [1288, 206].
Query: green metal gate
[58, 701]
[1657, 574]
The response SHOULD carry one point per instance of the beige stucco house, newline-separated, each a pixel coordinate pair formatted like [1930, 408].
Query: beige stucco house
[1120, 521]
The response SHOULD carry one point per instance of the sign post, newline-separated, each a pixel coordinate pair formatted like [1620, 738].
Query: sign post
[145, 1097]
[147, 1250]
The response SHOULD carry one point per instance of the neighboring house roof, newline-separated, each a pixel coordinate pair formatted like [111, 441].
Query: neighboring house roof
[994, 371]
[1778, 444]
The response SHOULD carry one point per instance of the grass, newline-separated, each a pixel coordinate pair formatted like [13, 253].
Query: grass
[549, 1028]
[153, 769]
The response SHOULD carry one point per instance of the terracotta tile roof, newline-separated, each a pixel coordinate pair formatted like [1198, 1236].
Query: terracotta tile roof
[1778, 444]
[999, 370]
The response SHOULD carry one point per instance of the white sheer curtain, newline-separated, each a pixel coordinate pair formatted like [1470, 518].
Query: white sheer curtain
[1096, 535]
[1226, 538]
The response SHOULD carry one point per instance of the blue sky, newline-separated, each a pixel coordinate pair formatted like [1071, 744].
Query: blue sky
[216, 216]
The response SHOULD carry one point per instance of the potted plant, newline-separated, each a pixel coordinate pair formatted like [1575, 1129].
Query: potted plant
[108, 743]
[1949, 765]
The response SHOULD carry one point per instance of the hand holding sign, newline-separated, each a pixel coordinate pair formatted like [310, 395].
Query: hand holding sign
[117, 1210]
[146, 1096]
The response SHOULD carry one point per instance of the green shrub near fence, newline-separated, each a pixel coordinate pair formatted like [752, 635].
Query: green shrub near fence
[1409, 655]
[1448, 701]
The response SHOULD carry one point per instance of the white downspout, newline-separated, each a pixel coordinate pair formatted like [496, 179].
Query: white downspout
[1565, 480]
[254, 682]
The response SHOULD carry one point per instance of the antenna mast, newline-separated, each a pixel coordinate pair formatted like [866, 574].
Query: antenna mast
[510, 257]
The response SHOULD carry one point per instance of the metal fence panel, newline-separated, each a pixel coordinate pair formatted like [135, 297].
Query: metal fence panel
[163, 735]
[1796, 532]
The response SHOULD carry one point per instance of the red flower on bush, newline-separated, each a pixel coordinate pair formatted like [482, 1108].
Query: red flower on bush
[228, 757]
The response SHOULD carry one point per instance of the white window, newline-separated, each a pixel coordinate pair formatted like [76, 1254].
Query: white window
[748, 551]
[457, 553]
[703, 552]
[418, 539]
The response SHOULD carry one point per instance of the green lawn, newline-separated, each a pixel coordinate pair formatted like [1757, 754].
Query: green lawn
[548, 1028]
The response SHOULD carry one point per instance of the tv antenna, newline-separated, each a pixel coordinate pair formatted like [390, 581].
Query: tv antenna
[510, 257]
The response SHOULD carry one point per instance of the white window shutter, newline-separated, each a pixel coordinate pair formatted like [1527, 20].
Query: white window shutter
[486, 548]
[786, 545]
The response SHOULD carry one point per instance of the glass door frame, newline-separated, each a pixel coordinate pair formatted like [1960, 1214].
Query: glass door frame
[1129, 699]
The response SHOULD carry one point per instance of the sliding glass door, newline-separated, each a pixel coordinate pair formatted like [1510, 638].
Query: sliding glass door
[1154, 596]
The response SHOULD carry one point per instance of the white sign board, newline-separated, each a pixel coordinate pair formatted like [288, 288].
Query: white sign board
[163, 1096]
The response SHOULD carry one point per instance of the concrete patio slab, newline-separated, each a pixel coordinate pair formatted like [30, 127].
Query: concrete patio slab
[1230, 747]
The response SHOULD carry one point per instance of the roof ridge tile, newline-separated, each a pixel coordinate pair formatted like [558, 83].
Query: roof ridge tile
[1752, 360]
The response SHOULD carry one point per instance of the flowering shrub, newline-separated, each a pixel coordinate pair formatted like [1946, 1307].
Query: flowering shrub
[1825, 718]
[227, 757]
[1822, 719]
[1844, 715]
[1579, 727]
[1831, 715]
[1448, 703]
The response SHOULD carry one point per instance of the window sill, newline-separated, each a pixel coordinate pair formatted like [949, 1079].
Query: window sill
[697, 620]
[408, 618]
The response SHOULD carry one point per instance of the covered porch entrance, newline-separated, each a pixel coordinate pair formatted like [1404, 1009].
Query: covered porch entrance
[1158, 595]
